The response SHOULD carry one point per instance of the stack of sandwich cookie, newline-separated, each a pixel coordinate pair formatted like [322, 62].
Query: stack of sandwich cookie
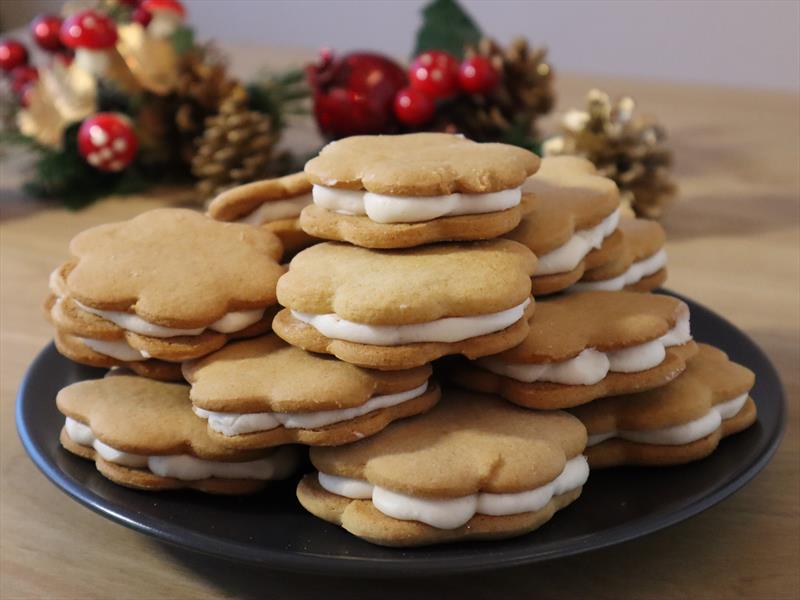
[585, 346]
[408, 190]
[572, 211]
[473, 467]
[262, 392]
[274, 204]
[143, 434]
[164, 287]
[677, 423]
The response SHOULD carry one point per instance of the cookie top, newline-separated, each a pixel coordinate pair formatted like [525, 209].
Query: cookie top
[568, 195]
[420, 164]
[709, 379]
[643, 237]
[564, 326]
[267, 375]
[417, 285]
[143, 416]
[175, 267]
[235, 203]
[468, 443]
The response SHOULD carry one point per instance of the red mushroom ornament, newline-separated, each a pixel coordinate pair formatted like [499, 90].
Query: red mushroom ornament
[107, 141]
[91, 35]
[166, 16]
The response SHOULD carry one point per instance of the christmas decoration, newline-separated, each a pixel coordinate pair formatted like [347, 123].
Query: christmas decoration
[107, 141]
[477, 75]
[435, 74]
[12, 55]
[165, 16]
[93, 36]
[627, 147]
[354, 94]
[45, 30]
[22, 76]
[412, 107]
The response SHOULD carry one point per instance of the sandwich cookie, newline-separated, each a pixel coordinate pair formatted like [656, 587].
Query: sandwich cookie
[572, 212]
[585, 346]
[674, 424]
[143, 434]
[274, 204]
[640, 267]
[408, 190]
[170, 284]
[474, 467]
[399, 309]
[262, 392]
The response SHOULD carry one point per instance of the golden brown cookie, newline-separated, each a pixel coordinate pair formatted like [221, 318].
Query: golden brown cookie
[143, 434]
[262, 392]
[274, 204]
[573, 211]
[400, 309]
[585, 346]
[676, 423]
[473, 467]
[641, 264]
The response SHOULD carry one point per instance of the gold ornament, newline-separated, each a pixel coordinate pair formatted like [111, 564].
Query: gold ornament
[152, 61]
[629, 148]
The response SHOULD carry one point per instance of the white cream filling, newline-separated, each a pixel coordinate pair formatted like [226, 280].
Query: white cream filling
[231, 322]
[635, 273]
[567, 256]
[275, 210]
[449, 329]
[278, 465]
[231, 424]
[591, 366]
[451, 513]
[412, 209]
[677, 435]
[119, 349]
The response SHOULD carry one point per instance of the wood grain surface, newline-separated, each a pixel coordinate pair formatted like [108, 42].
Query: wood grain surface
[734, 245]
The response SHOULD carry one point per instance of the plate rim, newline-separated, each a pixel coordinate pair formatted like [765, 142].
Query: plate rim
[387, 567]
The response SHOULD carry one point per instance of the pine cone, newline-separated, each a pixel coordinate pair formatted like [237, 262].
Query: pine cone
[236, 146]
[630, 149]
[524, 93]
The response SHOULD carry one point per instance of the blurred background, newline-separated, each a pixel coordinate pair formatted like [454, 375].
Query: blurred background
[744, 43]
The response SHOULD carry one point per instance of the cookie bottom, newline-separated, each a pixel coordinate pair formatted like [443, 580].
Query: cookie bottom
[616, 452]
[335, 434]
[611, 250]
[542, 285]
[650, 282]
[549, 396]
[142, 479]
[362, 519]
[363, 231]
[74, 349]
[291, 236]
[406, 356]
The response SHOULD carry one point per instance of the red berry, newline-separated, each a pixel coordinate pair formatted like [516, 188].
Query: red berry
[141, 16]
[45, 30]
[434, 73]
[412, 107]
[477, 75]
[22, 76]
[107, 141]
[12, 54]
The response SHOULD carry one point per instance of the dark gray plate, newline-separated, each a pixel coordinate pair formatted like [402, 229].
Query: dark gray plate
[273, 530]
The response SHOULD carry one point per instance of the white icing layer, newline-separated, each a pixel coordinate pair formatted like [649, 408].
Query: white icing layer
[119, 349]
[275, 210]
[591, 366]
[231, 424]
[567, 256]
[278, 465]
[412, 209]
[678, 434]
[451, 513]
[635, 273]
[231, 322]
[449, 329]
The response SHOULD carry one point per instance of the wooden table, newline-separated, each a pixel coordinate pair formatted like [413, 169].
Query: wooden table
[733, 246]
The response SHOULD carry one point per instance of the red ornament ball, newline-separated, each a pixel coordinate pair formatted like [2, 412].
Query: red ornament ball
[412, 107]
[12, 54]
[353, 95]
[141, 16]
[23, 76]
[46, 30]
[107, 141]
[434, 73]
[477, 75]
